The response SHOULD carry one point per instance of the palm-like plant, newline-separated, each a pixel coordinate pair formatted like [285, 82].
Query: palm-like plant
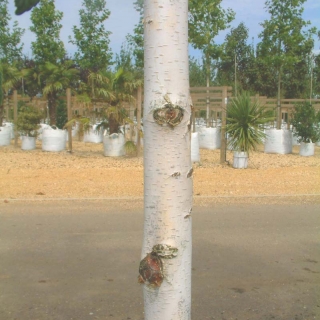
[245, 122]
[1, 97]
[56, 79]
[10, 78]
[122, 85]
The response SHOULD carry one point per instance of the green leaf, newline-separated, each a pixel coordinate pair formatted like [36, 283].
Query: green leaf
[24, 5]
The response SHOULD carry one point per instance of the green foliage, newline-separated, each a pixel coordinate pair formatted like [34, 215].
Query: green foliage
[28, 121]
[305, 123]
[316, 75]
[58, 77]
[24, 5]
[46, 25]
[11, 77]
[62, 113]
[1, 97]
[245, 120]
[130, 148]
[197, 73]
[83, 123]
[31, 78]
[91, 39]
[1, 91]
[284, 39]
[136, 40]
[10, 41]
[206, 19]
[237, 59]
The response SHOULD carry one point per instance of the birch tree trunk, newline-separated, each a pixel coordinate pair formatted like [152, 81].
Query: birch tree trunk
[165, 268]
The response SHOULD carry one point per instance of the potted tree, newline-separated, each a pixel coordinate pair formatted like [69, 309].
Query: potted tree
[245, 127]
[9, 77]
[28, 124]
[306, 127]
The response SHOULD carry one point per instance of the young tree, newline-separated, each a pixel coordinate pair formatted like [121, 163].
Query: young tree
[91, 38]
[58, 77]
[282, 36]
[46, 25]
[1, 98]
[136, 40]
[197, 73]
[206, 19]
[10, 78]
[235, 62]
[10, 41]
[165, 268]
[316, 78]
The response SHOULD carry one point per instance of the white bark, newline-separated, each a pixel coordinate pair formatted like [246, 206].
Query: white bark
[167, 157]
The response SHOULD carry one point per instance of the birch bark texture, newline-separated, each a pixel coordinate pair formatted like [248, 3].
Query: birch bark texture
[167, 158]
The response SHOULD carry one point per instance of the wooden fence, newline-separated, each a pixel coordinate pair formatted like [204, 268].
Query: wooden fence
[216, 98]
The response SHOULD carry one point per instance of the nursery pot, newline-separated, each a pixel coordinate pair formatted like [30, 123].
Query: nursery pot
[28, 143]
[93, 136]
[278, 141]
[195, 152]
[240, 160]
[5, 135]
[54, 139]
[210, 138]
[40, 130]
[306, 149]
[113, 145]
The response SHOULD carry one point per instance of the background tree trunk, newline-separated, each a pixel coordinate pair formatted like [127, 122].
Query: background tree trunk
[52, 104]
[167, 156]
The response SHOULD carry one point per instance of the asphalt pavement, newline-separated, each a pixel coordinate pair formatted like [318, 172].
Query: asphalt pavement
[62, 260]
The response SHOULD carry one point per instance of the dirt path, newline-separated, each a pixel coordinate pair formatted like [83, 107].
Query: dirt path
[88, 174]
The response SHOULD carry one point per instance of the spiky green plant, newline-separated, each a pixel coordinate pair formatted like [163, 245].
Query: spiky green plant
[245, 121]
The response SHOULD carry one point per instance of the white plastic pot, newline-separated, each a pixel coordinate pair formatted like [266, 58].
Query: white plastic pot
[306, 149]
[40, 130]
[195, 149]
[210, 138]
[54, 139]
[278, 141]
[5, 135]
[28, 143]
[240, 160]
[113, 145]
[295, 141]
[93, 135]
[11, 125]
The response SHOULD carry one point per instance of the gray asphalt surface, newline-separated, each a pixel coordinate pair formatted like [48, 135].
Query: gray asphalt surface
[79, 260]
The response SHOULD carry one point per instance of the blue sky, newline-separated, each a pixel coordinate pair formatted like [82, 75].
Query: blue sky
[123, 18]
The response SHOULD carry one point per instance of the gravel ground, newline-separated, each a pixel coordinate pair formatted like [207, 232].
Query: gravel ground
[86, 173]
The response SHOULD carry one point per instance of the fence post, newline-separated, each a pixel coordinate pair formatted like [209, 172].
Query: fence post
[15, 116]
[139, 102]
[69, 108]
[223, 147]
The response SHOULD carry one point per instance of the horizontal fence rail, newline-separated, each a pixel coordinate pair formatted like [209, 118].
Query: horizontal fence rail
[215, 99]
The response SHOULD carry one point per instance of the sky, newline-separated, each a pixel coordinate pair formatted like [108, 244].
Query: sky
[123, 18]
